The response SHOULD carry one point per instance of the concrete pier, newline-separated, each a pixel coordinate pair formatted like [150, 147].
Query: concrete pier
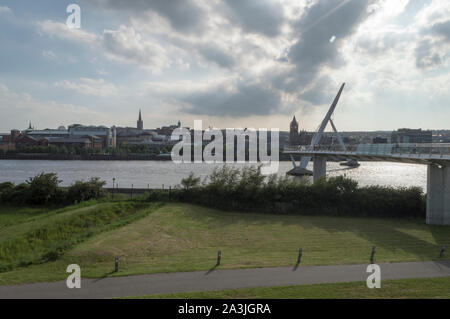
[320, 167]
[438, 195]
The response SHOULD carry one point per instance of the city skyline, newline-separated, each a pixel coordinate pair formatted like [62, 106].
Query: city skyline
[213, 61]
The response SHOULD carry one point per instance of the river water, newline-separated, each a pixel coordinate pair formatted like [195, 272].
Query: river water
[156, 174]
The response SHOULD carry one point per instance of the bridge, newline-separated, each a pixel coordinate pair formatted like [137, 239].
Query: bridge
[435, 156]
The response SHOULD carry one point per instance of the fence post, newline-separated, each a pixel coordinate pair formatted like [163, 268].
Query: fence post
[219, 257]
[441, 253]
[372, 254]
[300, 253]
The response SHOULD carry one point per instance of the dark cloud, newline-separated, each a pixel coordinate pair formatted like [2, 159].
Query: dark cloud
[431, 51]
[321, 22]
[244, 100]
[426, 55]
[183, 15]
[441, 29]
[216, 55]
[256, 16]
[320, 33]
[319, 93]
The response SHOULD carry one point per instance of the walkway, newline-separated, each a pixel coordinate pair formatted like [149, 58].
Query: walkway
[222, 279]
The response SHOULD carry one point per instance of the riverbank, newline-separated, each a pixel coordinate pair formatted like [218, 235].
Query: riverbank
[86, 157]
[100, 157]
[180, 237]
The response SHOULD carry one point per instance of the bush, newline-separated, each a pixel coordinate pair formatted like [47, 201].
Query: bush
[190, 182]
[43, 189]
[82, 191]
[248, 190]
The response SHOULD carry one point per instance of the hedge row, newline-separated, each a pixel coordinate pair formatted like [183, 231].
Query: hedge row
[248, 190]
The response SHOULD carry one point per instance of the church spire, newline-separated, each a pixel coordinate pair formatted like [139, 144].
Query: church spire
[140, 123]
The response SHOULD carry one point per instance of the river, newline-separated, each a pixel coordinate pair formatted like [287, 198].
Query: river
[156, 174]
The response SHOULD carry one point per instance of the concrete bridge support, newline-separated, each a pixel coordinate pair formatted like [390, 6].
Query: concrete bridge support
[320, 167]
[438, 195]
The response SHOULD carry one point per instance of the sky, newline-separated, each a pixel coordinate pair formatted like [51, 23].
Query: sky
[229, 63]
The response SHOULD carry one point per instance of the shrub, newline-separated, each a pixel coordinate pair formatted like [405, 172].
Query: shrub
[248, 190]
[82, 191]
[43, 188]
[14, 194]
[190, 182]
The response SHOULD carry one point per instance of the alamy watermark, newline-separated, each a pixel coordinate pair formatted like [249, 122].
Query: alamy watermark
[374, 279]
[74, 19]
[241, 146]
[74, 279]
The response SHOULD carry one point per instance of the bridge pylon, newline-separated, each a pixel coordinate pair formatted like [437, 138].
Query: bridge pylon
[438, 195]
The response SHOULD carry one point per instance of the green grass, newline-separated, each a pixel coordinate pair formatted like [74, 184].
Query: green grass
[424, 288]
[11, 215]
[182, 237]
[40, 239]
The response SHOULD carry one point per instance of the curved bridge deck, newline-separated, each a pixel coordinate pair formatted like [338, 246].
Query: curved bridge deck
[436, 156]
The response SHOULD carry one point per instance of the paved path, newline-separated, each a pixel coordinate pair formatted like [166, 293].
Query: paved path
[222, 279]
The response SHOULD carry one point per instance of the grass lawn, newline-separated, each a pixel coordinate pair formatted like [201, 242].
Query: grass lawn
[390, 289]
[182, 237]
[37, 237]
[10, 215]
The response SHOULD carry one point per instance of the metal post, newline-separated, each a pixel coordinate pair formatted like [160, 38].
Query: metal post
[131, 191]
[299, 259]
[372, 254]
[113, 188]
[441, 254]
[219, 256]
[116, 264]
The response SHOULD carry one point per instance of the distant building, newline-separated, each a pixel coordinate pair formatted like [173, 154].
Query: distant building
[296, 137]
[140, 123]
[102, 132]
[8, 141]
[293, 132]
[380, 140]
[88, 142]
[405, 135]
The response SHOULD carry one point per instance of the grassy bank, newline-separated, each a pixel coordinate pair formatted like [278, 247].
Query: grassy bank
[426, 288]
[34, 237]
[183, 237]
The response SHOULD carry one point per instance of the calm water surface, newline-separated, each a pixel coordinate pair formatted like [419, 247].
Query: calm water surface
[155, 174]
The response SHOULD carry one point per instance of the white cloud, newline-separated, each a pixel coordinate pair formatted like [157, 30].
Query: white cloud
[87, 86]
[125, 44]
[17, 109]
[61, 30]
[5, 10]
[48, 54]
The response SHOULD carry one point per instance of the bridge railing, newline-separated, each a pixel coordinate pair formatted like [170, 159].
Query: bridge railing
[440, 149]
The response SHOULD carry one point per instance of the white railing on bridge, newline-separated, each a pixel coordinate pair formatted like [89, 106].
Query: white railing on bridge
[375, 149]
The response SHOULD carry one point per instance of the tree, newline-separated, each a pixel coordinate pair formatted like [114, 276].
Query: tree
[43, 188]
[63, 150]
[190, 182]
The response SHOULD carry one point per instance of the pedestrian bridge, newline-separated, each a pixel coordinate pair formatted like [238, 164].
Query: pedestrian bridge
[436, 156]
